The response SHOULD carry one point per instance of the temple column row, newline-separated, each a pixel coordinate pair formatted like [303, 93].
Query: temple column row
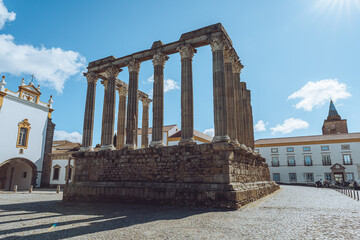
[232, 107]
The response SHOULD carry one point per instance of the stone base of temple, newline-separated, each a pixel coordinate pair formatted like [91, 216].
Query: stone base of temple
[226, 196]
[218, 175]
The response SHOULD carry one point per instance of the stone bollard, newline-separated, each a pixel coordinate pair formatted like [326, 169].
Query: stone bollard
[357, 194]
[354, 193]
[58, 189]
[30, 188]
[15, 188]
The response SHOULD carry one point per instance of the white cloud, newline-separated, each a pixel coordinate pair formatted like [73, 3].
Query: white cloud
[5, 15]
[51, 66]
[210, 132]
[260, 126]
[316, 94]
[170, 84]
[150, 79]
[289, 125]
[74, 137]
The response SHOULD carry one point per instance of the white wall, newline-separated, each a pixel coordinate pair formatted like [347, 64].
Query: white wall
[14, 111]
[335, 152]
[63, 163]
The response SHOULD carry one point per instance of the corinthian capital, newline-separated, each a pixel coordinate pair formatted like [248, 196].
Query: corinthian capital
[159, 59]
[229, 56]
[112, 72]
[186, 51]
[122, 91]
[134, 65]
[91, 77]
[217, 43]
[146, 102]
[237, 66]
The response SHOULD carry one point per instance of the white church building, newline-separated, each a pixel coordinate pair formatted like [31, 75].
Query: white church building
[26, 132]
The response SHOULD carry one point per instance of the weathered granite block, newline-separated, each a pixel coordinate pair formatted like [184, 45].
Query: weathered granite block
[212, 175]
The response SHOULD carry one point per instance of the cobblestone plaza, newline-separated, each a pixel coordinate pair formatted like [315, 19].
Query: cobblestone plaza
[292, 212]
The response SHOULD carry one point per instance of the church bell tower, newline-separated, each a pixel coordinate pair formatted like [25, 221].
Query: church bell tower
[334, 124]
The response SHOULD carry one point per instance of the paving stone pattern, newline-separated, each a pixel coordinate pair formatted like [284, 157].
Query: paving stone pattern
[290, 213]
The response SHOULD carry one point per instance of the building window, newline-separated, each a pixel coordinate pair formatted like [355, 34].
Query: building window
[24, 174]
[291, 160]
[290, 149]
[306, 149]
[275, 161]
[345, 147]
[276, 177]
[309, 177]
[307, 160]
[347, 159]
[292, 177]
[349, 177]
[328, 176]
[326, 160]
[274, 150]
[23, 134]
[56, 173]
[324, 148]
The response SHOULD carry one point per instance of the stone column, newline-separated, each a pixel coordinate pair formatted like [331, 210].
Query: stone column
[244, 119]
[120, 136]
[229, 58]
[145, 123]
[250, 121]
[89, 112]
[132, 107]
[187, 107]
[158, 104]
[237, 66]
[220, 118]
[109, 110]
[104, 83]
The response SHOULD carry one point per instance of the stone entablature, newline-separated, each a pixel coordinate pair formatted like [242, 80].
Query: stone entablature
[215, 175]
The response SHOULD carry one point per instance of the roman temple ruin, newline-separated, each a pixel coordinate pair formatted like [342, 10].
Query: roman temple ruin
[226, 173]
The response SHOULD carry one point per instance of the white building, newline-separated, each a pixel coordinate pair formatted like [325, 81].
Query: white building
[334, 156]
[26, 134]
[62, 162]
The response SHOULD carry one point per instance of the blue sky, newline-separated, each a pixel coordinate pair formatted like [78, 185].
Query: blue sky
[297, 54]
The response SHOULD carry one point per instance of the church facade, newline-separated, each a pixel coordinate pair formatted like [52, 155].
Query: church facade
[26, 132]
[333, 156]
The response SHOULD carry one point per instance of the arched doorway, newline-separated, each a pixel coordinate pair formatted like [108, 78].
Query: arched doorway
[17, 171]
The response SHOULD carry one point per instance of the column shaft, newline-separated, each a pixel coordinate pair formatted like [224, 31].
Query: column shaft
[245, 113]
[220, 117]
[120, 141]
[230, 96]
[158, 104]
[250, 121]
[145, 124]
[109, 111]
[132, 107]
[104, 82]
[187, 105]
[89, 112]
[238, 102]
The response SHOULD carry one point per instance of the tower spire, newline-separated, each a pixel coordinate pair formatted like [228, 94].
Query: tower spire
[333, 114]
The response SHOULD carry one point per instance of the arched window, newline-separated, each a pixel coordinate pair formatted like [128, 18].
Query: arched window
[23, 134]
[56, 172]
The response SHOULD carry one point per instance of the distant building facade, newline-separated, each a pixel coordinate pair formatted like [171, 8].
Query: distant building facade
[333, 156]
[26, 132]
[62, 162]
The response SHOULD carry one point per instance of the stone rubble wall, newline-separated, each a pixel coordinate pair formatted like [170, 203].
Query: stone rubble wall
[212, 175]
